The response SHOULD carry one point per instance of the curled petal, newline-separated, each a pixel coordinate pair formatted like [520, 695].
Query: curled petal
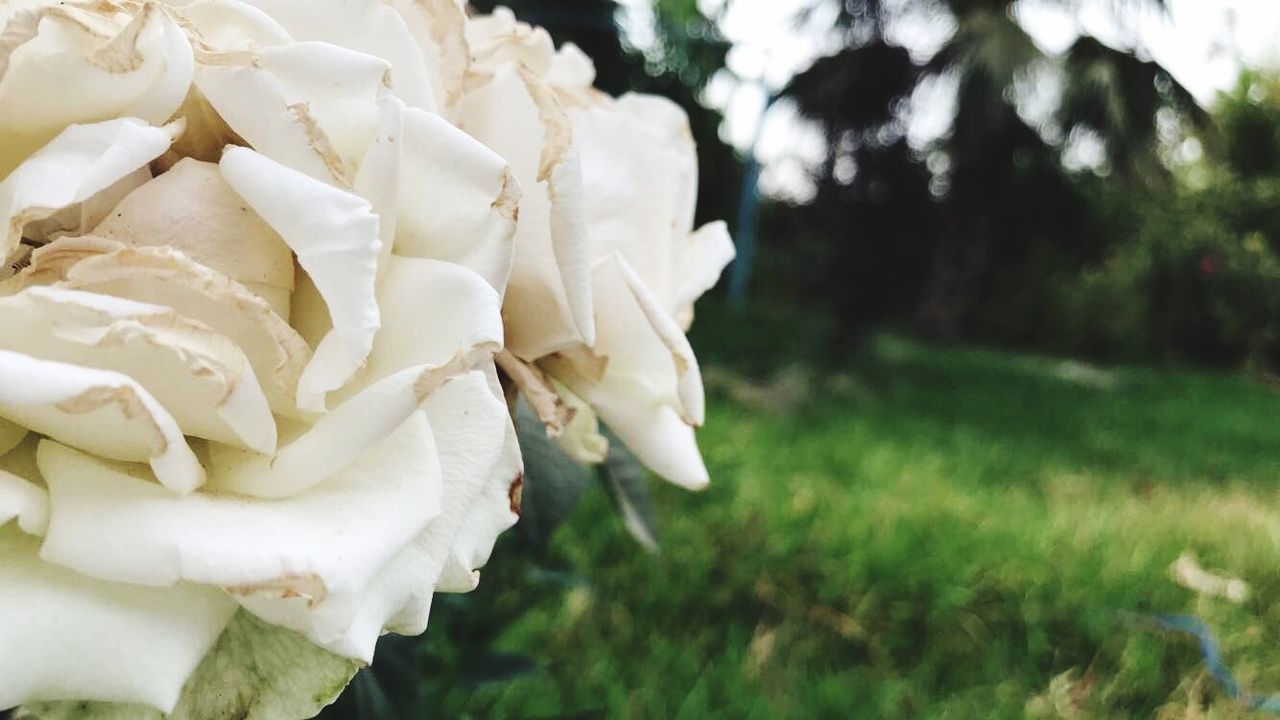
[322, 545]
[192, 209]
[335, 236]
[458, 199]
[77, 638]
[80, 162]
[537, 388]
[517, 115]
[650, 392]
[103, 412]
[311, 106]
[710, 251]
[581, 438]
[200, 377]
[139, 67]
[166, 277]
[467, 422]
[366, 26]
[438, 27]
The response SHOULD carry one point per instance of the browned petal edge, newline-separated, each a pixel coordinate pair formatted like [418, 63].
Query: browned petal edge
[515, 493]
[537, 389]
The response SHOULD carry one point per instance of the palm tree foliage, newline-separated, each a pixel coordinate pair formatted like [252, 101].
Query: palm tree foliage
[1000, 193]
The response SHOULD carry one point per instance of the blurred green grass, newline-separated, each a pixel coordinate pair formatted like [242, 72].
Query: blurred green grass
[935, 533]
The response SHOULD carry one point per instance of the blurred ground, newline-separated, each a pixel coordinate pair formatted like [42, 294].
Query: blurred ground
[934, 533]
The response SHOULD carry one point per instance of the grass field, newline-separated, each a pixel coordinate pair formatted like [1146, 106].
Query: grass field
[936, 533]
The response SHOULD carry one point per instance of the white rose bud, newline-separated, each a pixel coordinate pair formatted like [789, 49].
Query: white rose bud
[607, 261]
[252, 296]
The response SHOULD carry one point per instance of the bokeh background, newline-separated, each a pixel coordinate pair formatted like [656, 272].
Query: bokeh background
[1002, 344]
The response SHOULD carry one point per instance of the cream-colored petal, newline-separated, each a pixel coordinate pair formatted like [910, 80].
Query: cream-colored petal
[641, 188]
[76, 165]
[24, 501]
[498, 39]
[571, 70]
[538, 390]
[492, 510]
[166, 277]
[458, 199]
[102, 64]
[710, 251]
[549, 296]
[323, 545]
[103, 412]
[467, 421]
[231, 25]
[337, 439]
[650, 392]
[71, 637]
[581, 439]
[311, 106]
[438, 27]
[191, 208]
[81, 218]
[440, 317]
[335, 236]
[366, 26]
[199, 376]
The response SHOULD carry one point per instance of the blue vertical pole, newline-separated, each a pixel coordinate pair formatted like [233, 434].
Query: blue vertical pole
[748, 220]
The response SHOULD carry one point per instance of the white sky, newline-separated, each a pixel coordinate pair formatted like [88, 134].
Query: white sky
[1203, 43]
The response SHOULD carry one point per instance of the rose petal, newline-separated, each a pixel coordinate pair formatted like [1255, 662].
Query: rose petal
[581, 439]
[200, 377]
[516, 115]
[103, 412]
[165, 277]
[80, 162]
[10, 435]
[367, 26]
[75, 638]
[438, 27]
[192, 209]
[458, 199]
[650, 393]
[467, 421]
[710, 251]
[335, 236]
[324, 544]
[100, 68]
[310, 106]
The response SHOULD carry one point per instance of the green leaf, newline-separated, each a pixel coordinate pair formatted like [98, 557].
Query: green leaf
[627, 483]
[256, 671]
[553, 484]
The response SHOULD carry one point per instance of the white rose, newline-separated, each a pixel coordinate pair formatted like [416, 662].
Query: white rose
[246, 349]
[608, 263]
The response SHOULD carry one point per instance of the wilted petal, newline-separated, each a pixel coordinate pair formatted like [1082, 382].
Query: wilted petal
[322, 545]
[367, 26]
[438, 27]
[62, 64]
[200, 377]
[499, 38]
[335, 236]
[650, 393]
[72, 637]
[82, 161]
[103, 412]
[191, 208]
[517, 116]
[538, 390]
[581, 439]
[311, 106]
[166, 277]
[458, 199]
